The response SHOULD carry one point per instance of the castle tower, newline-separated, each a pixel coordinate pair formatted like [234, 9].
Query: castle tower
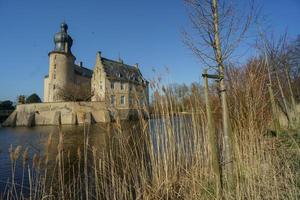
[61, 66]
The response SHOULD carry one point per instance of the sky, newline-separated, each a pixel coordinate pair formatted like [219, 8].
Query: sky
[138, 31]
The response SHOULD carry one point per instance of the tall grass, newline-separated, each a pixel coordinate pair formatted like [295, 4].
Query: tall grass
[168, 156]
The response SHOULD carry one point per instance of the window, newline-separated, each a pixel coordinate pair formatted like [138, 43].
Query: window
[54, 72]
[100, 86]
[130, 100]
[112, 99]
[120, 75]
[122, 85]
[130, 87]
[112, 85]
[122, 100]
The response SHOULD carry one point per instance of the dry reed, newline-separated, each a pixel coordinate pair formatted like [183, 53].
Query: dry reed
[168, 156]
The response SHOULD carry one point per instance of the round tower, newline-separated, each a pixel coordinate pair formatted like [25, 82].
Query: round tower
[61, 65]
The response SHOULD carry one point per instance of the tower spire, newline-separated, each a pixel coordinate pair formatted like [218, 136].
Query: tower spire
[62, 40]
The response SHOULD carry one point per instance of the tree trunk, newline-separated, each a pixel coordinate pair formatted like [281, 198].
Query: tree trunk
[274, 109]
[290, 86]
[283, 98]
[228, 139]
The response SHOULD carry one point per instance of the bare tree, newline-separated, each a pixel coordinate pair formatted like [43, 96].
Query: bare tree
[74, 92]
[218, 29]
[278, 57]
[294, 65]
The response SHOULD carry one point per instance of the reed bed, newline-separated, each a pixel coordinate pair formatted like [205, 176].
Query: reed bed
[168, 156]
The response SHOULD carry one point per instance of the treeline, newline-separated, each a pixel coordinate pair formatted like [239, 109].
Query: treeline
[277, 67]
[21, 99]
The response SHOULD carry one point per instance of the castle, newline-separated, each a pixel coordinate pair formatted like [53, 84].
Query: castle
[74, 94]
[117, 84]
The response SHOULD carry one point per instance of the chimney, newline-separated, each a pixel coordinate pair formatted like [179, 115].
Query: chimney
[80, 64]
[136, 65]
[99, 54]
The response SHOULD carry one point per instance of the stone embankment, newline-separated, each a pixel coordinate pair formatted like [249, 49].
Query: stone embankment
[57, 113]
[4, 115]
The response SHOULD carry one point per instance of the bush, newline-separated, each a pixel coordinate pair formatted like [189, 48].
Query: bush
[34, 98]
[6, 105]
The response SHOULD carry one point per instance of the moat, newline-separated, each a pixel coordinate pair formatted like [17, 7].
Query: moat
[35, 139]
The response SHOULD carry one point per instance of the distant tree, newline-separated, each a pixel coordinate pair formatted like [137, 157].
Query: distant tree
[21, 99]
[34, 98]
[6, 105]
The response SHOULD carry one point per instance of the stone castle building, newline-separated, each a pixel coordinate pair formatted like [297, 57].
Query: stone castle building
[74, 94]
[114, 83]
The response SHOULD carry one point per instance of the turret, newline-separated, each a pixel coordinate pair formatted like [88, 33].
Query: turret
[63, 42]
[61, 65]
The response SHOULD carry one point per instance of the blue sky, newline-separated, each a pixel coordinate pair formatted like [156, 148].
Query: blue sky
[140, 31]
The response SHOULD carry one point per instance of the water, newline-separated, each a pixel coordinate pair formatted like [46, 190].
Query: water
[35, 139]
[105, 137]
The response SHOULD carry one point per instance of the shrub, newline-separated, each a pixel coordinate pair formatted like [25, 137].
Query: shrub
[34, 98]
[6, 105]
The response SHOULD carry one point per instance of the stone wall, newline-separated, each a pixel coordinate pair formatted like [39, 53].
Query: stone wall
[58, 113]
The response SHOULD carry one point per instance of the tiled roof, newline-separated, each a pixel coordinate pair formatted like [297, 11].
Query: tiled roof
[82, 71]
[119, 70]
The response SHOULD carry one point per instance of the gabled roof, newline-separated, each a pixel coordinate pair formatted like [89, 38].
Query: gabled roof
[120, 71]
[82, 71]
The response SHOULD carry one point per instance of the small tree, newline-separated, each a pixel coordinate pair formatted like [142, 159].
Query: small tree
[74, 92]
[33, 98]
[6, 105]
[217, 30]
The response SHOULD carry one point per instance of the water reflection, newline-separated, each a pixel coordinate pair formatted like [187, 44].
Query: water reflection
[134, 154]
[101, 138]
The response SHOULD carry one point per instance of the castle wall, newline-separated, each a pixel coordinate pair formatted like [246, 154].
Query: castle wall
[46, 89]
[98, 81]
[61, 69]
[84, 81]
[61, 75]
[58, 113]
[117, 92]
[136, 96]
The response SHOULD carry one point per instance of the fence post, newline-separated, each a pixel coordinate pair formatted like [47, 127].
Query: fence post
[215, 156]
